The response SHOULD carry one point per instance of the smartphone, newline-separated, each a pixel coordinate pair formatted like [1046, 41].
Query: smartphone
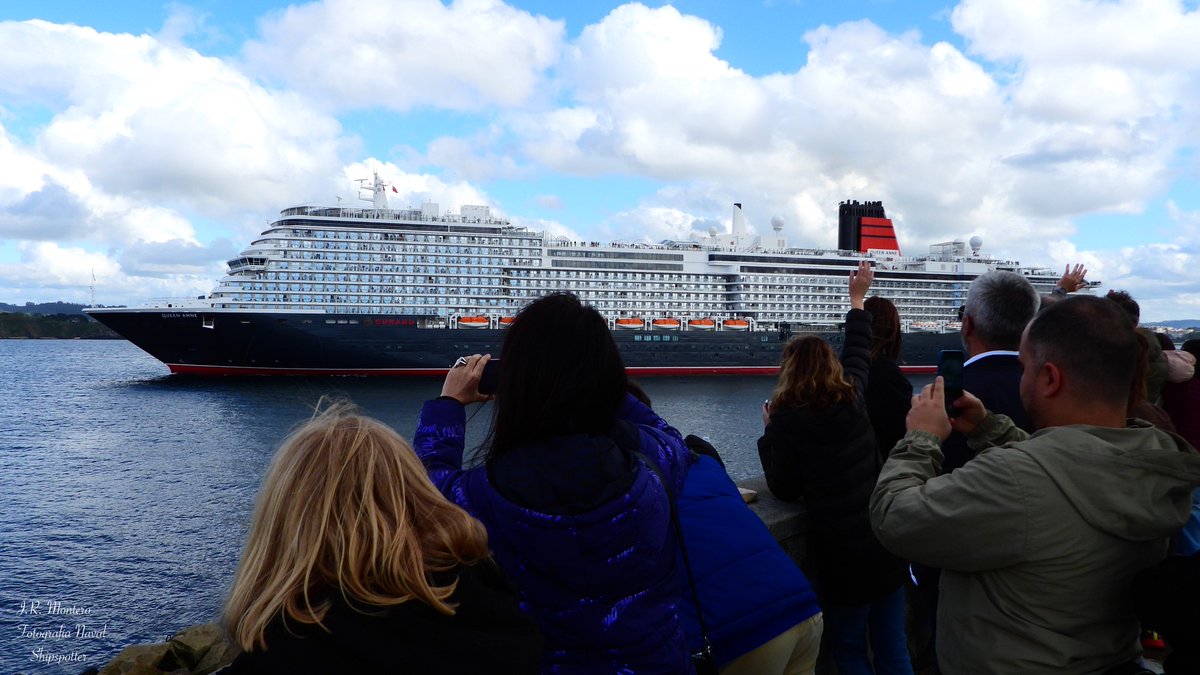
[487, 381]
[950, 367]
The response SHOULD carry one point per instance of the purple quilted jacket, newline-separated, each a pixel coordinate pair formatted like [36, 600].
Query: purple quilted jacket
[582, 529]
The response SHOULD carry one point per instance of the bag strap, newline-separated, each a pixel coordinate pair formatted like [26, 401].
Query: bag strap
[687, 566]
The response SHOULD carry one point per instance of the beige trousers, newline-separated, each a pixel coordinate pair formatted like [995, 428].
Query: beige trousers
[792, 652]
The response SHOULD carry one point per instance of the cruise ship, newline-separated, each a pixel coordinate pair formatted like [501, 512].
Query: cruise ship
[375, 290]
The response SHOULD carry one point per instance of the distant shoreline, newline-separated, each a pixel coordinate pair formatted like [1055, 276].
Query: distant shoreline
[53, 337]
[15, 326]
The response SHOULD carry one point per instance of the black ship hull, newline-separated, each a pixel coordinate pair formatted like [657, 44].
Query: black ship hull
[199, 342]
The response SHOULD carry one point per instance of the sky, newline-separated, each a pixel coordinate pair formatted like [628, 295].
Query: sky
[143, 144]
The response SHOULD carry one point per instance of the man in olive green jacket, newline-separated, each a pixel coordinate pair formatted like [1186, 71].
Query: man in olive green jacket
[1040, 536]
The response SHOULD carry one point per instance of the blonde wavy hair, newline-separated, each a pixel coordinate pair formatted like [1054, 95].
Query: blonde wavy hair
[346, 507]
[810, 375]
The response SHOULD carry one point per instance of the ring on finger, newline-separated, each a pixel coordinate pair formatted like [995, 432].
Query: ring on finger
[461, 361]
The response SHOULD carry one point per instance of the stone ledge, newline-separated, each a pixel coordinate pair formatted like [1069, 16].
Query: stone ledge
[199, 650]
[786, 521]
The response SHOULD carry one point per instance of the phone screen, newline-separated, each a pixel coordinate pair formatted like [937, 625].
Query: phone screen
[487, 381]
[950, 367]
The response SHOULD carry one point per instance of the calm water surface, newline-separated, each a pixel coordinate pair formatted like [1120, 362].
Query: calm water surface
[125, 491]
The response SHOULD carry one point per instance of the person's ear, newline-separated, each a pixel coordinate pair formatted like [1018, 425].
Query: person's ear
[1050, 380]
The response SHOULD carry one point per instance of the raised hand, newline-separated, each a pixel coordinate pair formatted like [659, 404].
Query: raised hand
[462, 380]
[1072, 279]
[860, 283]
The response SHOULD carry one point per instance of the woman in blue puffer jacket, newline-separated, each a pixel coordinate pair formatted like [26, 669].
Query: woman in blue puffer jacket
[579, 524]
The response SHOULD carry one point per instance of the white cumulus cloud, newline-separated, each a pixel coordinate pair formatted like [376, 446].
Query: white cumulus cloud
[464, 55]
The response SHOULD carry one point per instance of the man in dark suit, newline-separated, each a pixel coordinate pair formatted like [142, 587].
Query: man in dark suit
[999, 306]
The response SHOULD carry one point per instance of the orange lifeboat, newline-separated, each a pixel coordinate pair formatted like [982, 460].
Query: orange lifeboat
[629, 323]
[473, 322]
[736, 324]
[506, 321]
[665, 324]
[702, 324]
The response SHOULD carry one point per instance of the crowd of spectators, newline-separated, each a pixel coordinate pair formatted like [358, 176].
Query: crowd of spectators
[1045, 521]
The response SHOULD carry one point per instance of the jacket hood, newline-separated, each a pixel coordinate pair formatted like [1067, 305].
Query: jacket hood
[1151, 471]
[564, 475]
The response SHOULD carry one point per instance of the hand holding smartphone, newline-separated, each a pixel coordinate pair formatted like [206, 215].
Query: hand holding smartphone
[487, 381]
[950, 367]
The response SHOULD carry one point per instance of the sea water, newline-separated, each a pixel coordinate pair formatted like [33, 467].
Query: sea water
[125, 491]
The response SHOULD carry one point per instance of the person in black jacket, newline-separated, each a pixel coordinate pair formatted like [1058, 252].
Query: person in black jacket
[355, 563]
[819, 445]
[889, 393]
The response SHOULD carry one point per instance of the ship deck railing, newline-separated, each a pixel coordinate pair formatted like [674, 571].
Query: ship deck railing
[387, 214]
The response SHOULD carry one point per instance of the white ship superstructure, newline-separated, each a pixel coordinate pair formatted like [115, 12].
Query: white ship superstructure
[405, 292]
[473, 269]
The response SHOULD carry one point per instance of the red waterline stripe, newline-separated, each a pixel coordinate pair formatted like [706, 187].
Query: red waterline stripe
[643, 371]
[190, 369]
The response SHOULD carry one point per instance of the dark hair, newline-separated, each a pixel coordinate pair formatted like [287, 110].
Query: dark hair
[1088, 338]
[885, 328]
[1000, 304]
[1137, 390]
[1164, 341]
[1126, 302]
[560, 374]
[1192, 347]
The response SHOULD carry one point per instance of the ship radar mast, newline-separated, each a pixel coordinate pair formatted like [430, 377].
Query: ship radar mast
[378, 190]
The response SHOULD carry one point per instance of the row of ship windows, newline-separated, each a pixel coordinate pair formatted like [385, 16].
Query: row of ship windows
[584, 279]
[320, 247]
[454, 306]
[372, 235]
[838, 287]
[627, 255]
[452, 296]
[448, 287]
[385, 268]
[270, 279]
[840, 278]
[409, 258]
[297, 282]
[441, 307]
[511, 267]
[305, 301]
[513, 272]
[432, 284]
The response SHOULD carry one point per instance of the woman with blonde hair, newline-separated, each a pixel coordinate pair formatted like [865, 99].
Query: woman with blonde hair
[355, 563]
[819, 445]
